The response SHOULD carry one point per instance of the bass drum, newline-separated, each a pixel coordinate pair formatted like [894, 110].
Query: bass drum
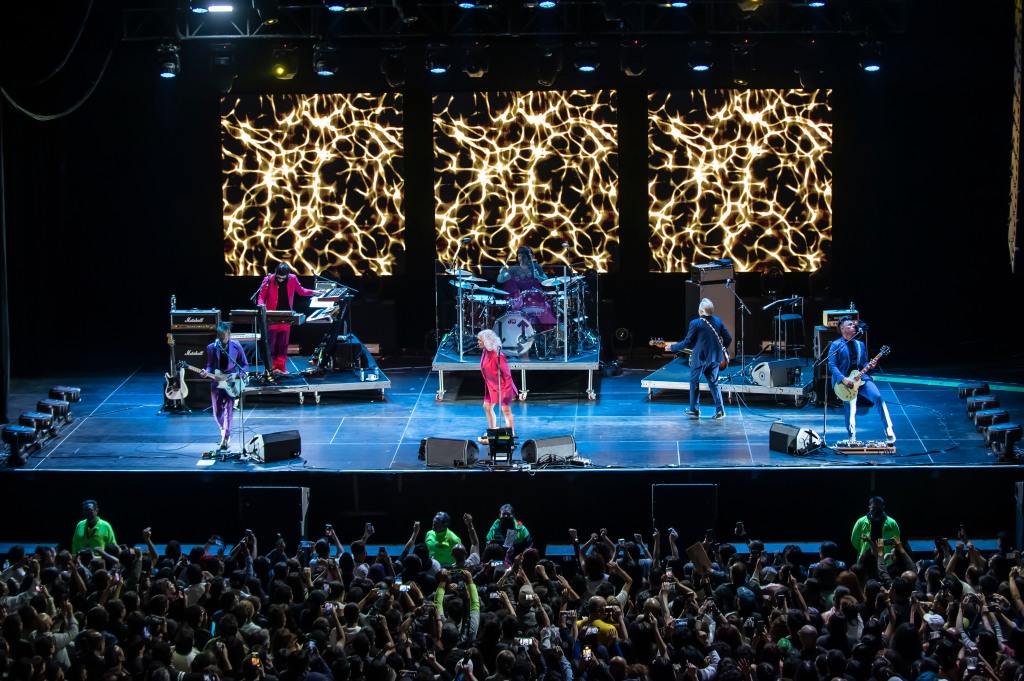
[515, 332]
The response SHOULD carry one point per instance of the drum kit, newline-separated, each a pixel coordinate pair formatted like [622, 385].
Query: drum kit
[523, 321]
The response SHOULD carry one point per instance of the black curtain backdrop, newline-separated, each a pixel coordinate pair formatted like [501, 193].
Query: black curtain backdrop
[116, 207]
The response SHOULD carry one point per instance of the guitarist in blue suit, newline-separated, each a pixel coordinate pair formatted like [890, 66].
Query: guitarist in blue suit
[226, 364]
[708, 338]
[845, 355]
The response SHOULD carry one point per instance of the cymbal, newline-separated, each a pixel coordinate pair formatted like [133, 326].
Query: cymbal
[462, 283]
[460, 273]
[495, 291]
[558, 281]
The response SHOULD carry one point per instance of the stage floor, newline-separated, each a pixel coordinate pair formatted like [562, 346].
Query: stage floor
[118, 427]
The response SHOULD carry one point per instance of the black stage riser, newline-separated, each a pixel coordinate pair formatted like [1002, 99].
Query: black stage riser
[814, 504]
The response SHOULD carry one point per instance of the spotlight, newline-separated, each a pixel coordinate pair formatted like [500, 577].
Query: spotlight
[215, 6]
[335, 5]
[392, 65]
[222, 66]
[632, 59]
[678, 4]
[437, 61]
[815, 3]
[477, 62]
[408, 10]
[700, 56]
[325, 59]
[284, 62]
[871, 57]
[547, 4]
[168, 60]
[586, 57]
[549, 65]
[743, 63]
[267, 11]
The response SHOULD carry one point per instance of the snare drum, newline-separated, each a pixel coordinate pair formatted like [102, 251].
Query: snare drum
[515, 332]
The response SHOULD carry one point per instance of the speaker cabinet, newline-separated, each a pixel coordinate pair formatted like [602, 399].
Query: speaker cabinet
[549, 449]
[782, 438]
[775, 374]
[269, 511]
[439, 452]
[281, 446]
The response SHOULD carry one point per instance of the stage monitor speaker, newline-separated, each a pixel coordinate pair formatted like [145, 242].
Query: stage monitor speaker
[782, 438]
[281, 446]
[269, 511]
[549, 449]
[775, 374]
[440, 452]
[688, 509]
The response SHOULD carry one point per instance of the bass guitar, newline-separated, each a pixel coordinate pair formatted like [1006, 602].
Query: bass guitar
[175, 388]
[845, 392]
[663, 344]
[231, 384]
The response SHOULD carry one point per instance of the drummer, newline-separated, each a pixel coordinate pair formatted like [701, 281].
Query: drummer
[526, 293]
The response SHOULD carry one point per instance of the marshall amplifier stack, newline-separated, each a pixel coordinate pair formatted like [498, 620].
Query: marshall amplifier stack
[193, 330]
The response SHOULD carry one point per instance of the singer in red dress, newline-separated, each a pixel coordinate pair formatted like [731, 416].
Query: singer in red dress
[498, 385]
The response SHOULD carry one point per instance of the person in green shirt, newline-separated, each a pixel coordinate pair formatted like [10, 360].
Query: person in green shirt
[440, 540]
[93, 532]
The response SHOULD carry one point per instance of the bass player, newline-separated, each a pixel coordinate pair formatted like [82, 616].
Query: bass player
[227, 366]
[848, 354]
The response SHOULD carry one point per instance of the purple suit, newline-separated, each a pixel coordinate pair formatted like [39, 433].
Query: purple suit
[236, 364]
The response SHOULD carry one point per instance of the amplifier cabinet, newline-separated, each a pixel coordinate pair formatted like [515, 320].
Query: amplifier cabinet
[195, 320]
[191, 348]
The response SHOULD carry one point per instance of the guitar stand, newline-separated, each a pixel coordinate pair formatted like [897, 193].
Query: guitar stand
[174, 407]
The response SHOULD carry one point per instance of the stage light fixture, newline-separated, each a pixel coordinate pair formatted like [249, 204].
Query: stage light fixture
[267, 11]
[408, 10]
[477, 62]
[633, 59]
[168, 60]
[677, 4]
[325, 59]
[547, 4]
[284, 62]
[222, 67]
[438, 61]
[871, 57]
[392, 65]
[549, 65]
[815, 3]
[214, 6]
[700, 56]
[335, 5]
[586, 57]
[743, 63]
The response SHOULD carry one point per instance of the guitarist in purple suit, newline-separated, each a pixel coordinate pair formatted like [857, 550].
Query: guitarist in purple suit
[225, 362]
[846, 354]
[708, 338]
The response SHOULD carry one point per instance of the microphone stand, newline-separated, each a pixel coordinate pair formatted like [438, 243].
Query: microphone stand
[458, 279]
[731, 285]
[827, 380]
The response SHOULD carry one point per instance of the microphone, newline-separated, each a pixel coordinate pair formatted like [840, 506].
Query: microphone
[565, 244]
[862, 326]
[728, 282]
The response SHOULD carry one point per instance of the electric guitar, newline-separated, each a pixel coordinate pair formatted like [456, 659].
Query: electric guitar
[663, 344]
[231, 384]
[845, 392]
[175, 388]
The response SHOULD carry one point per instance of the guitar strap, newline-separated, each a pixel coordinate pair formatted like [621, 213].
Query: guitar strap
[716, 334]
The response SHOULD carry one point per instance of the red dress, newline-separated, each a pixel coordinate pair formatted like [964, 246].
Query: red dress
[491, 364]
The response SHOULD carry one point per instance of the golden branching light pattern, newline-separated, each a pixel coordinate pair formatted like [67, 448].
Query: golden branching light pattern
[740, 174]
[313, 180]
[527, 168]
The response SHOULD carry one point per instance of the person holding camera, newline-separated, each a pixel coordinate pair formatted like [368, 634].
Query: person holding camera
[874, 526]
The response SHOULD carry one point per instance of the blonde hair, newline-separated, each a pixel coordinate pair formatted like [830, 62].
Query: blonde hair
[490, 340]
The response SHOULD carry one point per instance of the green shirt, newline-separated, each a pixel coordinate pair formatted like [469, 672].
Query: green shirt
[96, 537]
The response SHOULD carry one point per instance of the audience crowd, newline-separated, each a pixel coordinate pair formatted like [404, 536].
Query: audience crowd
[451, 608]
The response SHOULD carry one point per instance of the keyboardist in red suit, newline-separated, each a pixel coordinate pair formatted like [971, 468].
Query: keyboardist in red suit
[277, 292]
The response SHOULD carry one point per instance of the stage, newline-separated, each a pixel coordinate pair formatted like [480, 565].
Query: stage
[360, 457]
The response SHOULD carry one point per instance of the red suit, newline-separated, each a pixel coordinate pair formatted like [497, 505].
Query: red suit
[279, 333]
[493, 365]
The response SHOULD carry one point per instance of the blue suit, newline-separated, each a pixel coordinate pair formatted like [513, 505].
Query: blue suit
[840, 364]
[708, 353]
